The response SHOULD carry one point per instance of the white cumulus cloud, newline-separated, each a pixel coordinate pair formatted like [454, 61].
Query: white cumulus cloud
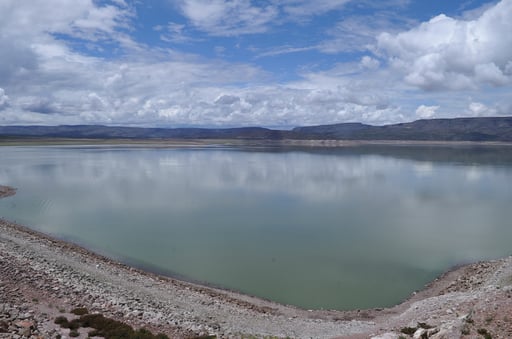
[46, 79]
[450, 53]
[369, 62]
[479, 109]
[426, 112]
[4, 99]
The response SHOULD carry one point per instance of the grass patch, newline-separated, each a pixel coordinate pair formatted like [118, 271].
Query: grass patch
[425, 326]
[465, 330]
[489, 319]
[80, 311]
[105, 327]
[408, 330]
[483, 332]
[61, 320]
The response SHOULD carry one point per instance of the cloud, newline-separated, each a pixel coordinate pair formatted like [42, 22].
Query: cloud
[176, 33]
[479, 109]
[227, 100]
[228, 17]
[285, 50]
[81, 18]
[4, 99]
[52, 78]
[369, 62]
[40, 105]
[307, 8]
[491, 74]
[16, 59]
[426, 112]
[360, 32]
[456, 54]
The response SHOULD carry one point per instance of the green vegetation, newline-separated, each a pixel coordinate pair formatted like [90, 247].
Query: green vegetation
[489, 319]
[104, 327]
[408, 330]
[61, 320]
[465, 330]
[80, 311]
[424, 326]
[483, 332]
[411, 330]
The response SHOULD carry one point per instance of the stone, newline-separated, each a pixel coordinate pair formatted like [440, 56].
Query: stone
[419, 333]
[26, 332]
[388, 335]
[25, 324]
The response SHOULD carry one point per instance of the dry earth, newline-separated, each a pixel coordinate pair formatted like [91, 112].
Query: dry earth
[42, 278]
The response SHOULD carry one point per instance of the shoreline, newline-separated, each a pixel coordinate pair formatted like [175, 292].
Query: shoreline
[6, 191]
[324, 143]
[35, 266]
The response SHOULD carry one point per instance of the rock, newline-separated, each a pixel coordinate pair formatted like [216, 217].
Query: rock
[448, 331]
[25, 324]
[388, 335]
[23, 316]
[419, 333]
[432, 331]
[26, 332]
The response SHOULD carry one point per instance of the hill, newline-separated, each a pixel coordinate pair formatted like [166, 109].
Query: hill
[458, 129]
[108, 132]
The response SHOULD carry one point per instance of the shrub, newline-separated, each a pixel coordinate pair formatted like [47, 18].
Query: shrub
[424, 326]
[80, 311]
[61, 320]
[408, 330]
[484, 333]
[106, 327]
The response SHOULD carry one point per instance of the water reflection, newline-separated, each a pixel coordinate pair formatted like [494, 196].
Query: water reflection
[346, 228]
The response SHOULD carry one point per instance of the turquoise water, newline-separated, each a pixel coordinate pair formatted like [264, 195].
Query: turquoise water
[335, 229]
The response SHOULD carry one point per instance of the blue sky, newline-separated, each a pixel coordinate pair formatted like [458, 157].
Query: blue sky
[274, 63]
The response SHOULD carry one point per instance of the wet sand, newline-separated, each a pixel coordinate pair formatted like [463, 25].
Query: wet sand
[42, 278]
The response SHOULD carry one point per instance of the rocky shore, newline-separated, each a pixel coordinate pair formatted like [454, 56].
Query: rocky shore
[42, 278]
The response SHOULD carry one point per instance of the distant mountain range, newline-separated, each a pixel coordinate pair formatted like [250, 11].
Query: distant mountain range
[458, 129]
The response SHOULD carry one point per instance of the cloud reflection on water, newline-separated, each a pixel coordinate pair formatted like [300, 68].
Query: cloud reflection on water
[234, 217]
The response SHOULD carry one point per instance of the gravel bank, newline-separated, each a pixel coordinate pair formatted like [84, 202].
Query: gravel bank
[42, 278]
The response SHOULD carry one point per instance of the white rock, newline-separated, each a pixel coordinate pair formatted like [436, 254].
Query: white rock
[419, 332]
[389, 335]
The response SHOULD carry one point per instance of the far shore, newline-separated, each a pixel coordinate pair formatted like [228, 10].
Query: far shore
[11, 141]
[46, 277]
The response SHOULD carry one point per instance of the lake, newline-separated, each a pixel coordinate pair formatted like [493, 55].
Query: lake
[332, 228]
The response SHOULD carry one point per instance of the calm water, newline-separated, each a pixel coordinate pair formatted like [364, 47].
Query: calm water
[350, 228]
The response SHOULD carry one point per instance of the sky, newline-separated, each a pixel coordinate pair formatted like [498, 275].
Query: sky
[271, 63]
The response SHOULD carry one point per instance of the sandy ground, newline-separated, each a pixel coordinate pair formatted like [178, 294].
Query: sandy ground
[42, 278]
